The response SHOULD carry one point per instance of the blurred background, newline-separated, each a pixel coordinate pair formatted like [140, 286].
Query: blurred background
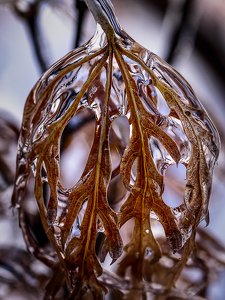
[188, 34]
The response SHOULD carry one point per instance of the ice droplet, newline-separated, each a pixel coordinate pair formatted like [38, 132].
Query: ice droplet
[148, 254]
[55, 106]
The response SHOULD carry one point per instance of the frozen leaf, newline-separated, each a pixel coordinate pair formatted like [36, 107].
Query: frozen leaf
[113, 76]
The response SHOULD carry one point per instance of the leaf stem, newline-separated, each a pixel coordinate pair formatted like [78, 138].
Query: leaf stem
[104, 15]
[100, 152]
[142, 158]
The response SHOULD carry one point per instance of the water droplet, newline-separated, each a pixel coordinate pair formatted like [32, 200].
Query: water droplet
[38, 133]
[100, 227]
[44, 176]
[34, 166]
[55, 106]
[68, 75]
[148, 254]
[20, 181]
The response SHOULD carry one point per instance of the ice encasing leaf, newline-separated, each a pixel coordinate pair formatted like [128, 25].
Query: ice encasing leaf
[113, 76]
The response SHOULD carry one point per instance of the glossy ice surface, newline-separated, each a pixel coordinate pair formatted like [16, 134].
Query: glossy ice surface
[114, 77]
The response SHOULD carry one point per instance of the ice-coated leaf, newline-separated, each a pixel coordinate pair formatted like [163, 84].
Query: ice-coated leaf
[113, 76]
